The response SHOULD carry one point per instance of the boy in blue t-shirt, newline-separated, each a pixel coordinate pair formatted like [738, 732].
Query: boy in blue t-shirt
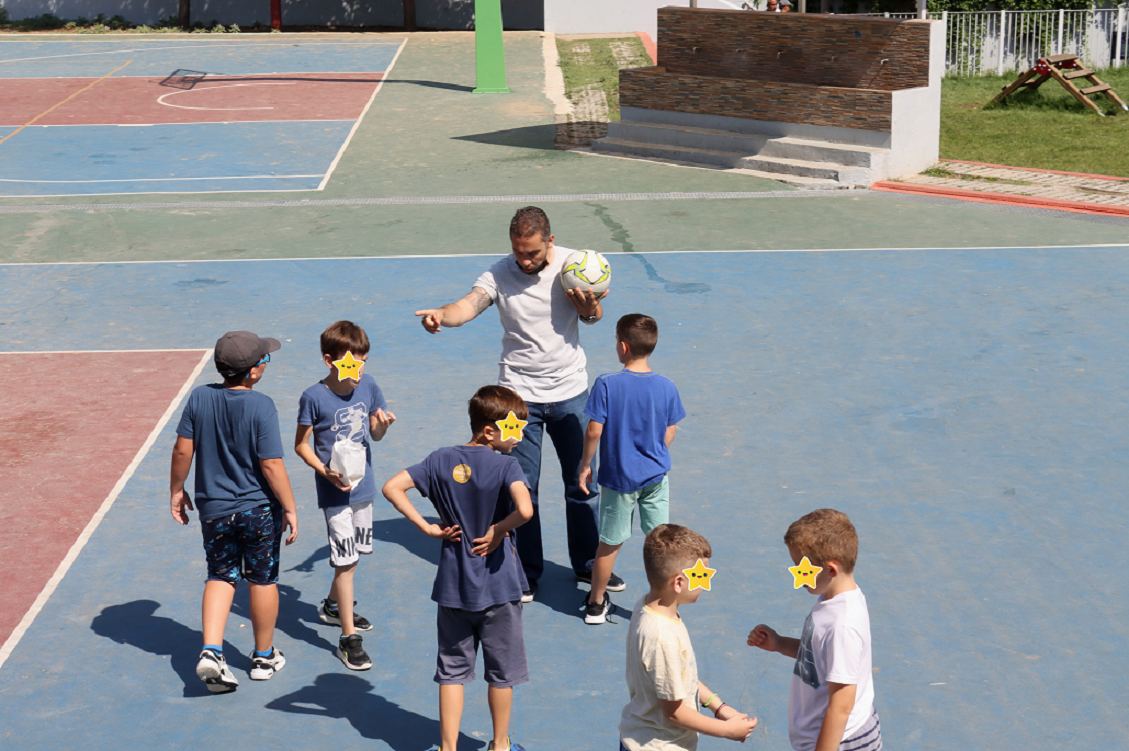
[480, 580]
[633, 415]
[244, 499]
[338, 412]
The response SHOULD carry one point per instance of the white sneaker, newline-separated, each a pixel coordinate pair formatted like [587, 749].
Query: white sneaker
[262, 668]
[212, 669]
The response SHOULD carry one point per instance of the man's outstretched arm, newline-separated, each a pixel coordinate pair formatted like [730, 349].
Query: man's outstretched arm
[456, 313]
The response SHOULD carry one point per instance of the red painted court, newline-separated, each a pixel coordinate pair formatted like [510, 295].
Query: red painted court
[186, 99]
[70, 424]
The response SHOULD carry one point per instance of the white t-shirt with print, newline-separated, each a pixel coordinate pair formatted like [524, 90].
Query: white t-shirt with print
[660, 667]
[834, 647]
[542, 359]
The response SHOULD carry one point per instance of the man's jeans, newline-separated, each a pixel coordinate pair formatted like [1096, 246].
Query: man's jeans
[565, 422]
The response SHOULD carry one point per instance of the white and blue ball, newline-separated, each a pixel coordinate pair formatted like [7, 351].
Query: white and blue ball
[586, 270]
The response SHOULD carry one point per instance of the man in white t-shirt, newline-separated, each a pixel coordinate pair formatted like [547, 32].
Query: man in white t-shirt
[831, 704]
[542, 361]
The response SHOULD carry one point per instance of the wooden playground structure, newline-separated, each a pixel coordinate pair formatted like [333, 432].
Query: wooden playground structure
[1065, 69]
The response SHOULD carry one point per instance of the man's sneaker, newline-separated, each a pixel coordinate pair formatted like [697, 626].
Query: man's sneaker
[212, 669]
[262, 668]
[596, 613]
[615, 584]
[351, 652]
[513, 746]
[360, 623]
[528, 594]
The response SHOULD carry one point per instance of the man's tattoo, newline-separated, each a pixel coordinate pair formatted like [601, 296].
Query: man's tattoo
[479, 300]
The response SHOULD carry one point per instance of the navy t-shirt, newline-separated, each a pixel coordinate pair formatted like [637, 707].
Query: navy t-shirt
[470, 487]
[231, 431]
[341, 418]
[635, 410]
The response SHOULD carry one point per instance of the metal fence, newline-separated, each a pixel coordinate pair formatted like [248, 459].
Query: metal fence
[993, 42]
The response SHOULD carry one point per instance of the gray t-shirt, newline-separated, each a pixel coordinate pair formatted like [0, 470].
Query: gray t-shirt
[542, 359]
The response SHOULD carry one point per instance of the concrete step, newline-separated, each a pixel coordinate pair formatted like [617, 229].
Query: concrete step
[847, 175]
[680, 135]
[784, 147]
[823, 151]
[728, 159]
[806, 183]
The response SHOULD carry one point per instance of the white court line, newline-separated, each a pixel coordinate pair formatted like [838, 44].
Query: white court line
[100, 351]
[612, 254]
[357, 124]
[149, 180]
[162, 97]
[92, 525]
[197, 46]
[165, 125]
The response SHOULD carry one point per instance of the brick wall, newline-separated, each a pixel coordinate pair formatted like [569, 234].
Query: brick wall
[651, 88]
[859, 53]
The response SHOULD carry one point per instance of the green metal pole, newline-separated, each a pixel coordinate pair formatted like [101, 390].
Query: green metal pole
[489, 53]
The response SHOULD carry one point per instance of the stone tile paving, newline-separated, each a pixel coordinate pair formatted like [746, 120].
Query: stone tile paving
[1022, 182]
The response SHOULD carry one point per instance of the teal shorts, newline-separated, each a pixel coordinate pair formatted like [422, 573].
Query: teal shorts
[617, 511]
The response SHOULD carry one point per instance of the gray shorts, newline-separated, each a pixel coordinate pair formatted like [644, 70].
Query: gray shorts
[498, 629]
[866, 738]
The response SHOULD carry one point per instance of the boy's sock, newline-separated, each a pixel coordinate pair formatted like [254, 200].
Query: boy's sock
[217, 650]
[268, 653]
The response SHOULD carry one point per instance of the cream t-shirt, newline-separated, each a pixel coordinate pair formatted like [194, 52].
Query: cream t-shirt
[660, 667]
[542, 359]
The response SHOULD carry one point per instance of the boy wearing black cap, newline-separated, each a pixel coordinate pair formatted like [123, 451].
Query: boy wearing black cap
[243, 495]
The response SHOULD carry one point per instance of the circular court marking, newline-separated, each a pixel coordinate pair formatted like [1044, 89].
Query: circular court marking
[161, 99]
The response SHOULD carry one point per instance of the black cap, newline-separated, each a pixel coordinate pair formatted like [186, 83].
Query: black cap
[237, 351]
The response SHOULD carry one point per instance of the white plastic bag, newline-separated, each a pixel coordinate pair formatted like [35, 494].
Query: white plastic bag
[350, 460]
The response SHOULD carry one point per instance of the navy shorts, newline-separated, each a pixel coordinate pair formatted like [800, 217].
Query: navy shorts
[498, 629]
[244, 545]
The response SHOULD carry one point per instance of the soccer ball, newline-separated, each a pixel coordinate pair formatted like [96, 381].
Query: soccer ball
[586, 270]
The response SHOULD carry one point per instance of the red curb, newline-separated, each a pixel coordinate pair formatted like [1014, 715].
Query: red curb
[1047, 171]
[1002, 198]
[649, 45]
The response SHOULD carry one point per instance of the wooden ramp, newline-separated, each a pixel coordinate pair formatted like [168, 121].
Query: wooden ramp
[1065, 69]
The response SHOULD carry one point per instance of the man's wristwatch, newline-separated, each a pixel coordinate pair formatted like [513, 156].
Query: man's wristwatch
[589, 319]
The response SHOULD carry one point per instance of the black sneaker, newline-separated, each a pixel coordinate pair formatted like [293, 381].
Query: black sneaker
[212, 669]
[262, 668]
[351, 652]
[615, 584]
[330, 616]
[527, 595]
[597, 613]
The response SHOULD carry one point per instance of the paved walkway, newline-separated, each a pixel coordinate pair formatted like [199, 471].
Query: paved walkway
[1015, 181]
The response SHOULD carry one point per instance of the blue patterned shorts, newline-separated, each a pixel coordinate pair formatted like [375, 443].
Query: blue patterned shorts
[244, 545]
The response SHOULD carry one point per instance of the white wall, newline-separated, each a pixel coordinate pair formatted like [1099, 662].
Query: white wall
[613, 16]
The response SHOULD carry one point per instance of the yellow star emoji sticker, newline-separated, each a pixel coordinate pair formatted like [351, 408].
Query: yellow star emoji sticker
[511, 427]
[348, 367]
[804, 574]
[699, 576]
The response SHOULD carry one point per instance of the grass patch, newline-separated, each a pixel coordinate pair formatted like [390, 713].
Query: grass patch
[1044, 129]
[592, 65]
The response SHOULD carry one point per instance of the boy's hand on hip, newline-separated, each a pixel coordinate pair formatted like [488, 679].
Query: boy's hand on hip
[450, 534]
[290, 521]
[764, 637]
[180, 505]
[486, 545]
[585, 478]
[740, 727]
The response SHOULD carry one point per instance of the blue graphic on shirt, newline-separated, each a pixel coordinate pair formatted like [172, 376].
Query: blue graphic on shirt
[805, 657]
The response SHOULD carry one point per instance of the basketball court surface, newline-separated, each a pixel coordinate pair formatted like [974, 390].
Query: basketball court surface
[950, 375]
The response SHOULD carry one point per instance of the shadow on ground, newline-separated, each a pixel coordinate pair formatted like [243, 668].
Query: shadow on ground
[135, 623]
[348, 697]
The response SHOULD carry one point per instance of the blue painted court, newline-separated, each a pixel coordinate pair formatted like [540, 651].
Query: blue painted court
[135, 116]
[967, 408]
